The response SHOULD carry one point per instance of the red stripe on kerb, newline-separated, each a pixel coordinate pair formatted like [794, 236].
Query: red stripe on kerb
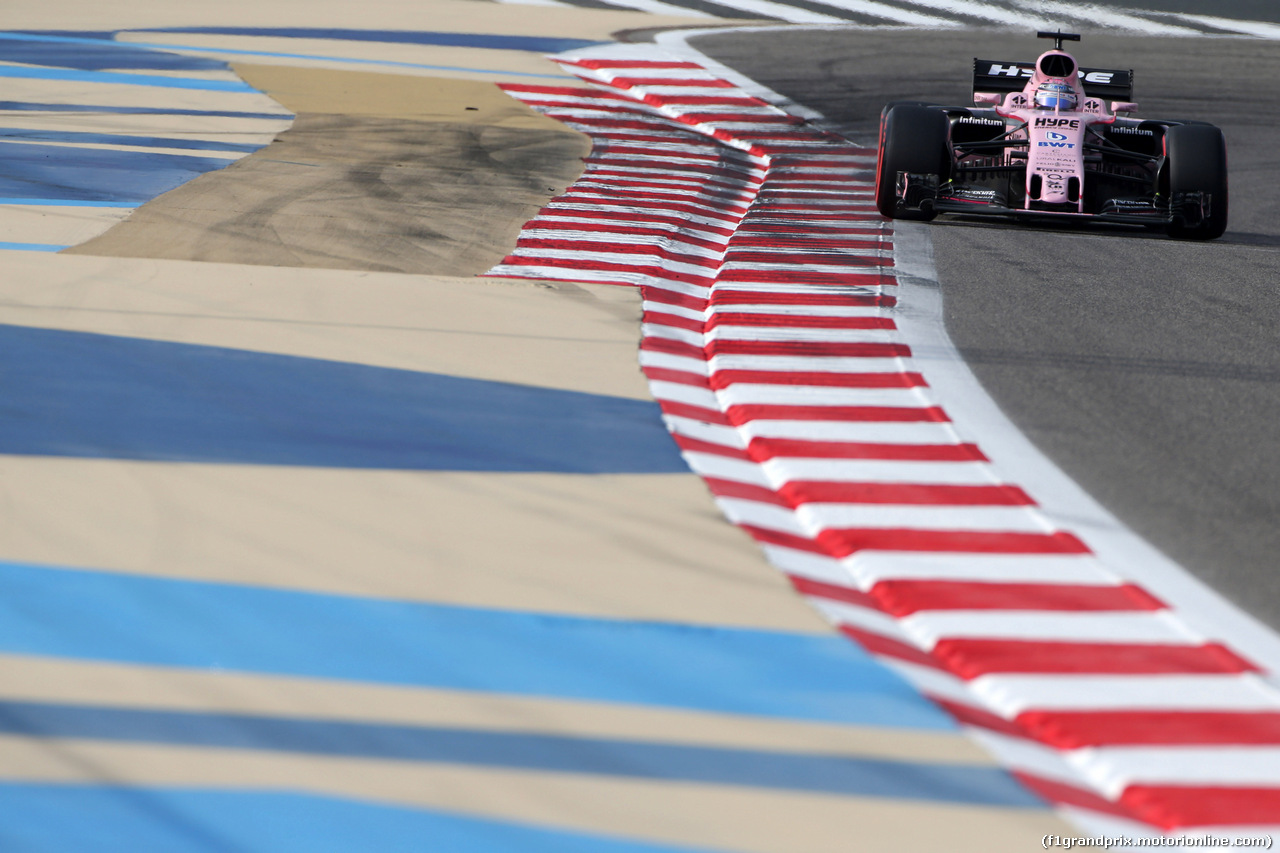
[738, 415]
[1058, 793]
[697, 413]
[973, 658]
[673, 157]
[648, 250]
[657, 295]
[716, 209]
[630, 63]
[811, 243]
[681, 377]
[695, 445]
[835, 592]
[813, 216]
[806, 258]
[903, 597]
[838, 178]
[763, 449]
[632, 82]
[727, 100]
[675, 321]
[797, 276]
[807, 349]
[786, 540]
[679, 143]
[605, 266]
[819, 228]
[615, 219]
[906, 494]
[605, 160]
[796, 321]
[705, 189]
[879, 414]
[878, 644]
[707, 116]
[744, 491]
[560, 109]
[672, 347]
[617, 228]
[568, 91]
[1185, 806]
[800, 492]
[843, 542]
[1079, 729]
[726, 378]
[743, 297]
[968, 715]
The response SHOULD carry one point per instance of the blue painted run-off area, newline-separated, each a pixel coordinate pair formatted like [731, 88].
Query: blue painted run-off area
[37, 173]
[616, 758]
[75, 170]
[149, 621]
[94, 51]
[67, 818]
[89, 395]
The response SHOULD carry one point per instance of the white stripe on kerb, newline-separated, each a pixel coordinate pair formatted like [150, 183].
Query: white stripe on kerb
[1012, 694]
[1048, 626]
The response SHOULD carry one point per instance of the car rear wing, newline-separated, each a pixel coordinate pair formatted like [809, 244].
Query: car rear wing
[1105, 83]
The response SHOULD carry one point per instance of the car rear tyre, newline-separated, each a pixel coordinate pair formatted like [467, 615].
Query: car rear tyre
[1197, 164]
[913, 139]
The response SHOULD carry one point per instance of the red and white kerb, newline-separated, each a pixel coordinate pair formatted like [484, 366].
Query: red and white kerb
[770, 342]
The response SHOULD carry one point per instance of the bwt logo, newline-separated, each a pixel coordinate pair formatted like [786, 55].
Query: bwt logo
[1057, 137]
[1057, 144]
[1073, 123]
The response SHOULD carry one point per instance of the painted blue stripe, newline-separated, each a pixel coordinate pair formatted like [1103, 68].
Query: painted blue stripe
[93, 615]
[125, 79]
[840, 775]
[94, 51]
[225, 51]
[32, 247]
[31, 170]
[69, 202]
[30, 106]
[43, 818]
[80, 394]
[536, 44]
[88, 138]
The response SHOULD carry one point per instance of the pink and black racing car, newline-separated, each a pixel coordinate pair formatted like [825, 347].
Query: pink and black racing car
[1050, 139]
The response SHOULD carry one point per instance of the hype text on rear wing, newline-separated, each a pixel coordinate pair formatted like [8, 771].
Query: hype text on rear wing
[996, 76]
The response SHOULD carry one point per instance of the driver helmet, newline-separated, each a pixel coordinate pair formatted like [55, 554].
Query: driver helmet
[1055, 96]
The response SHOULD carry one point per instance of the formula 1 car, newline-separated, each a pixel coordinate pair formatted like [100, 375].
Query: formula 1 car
[1041, 141]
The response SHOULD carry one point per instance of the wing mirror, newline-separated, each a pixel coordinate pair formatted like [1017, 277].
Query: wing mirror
[989, 98]
[1123, 107]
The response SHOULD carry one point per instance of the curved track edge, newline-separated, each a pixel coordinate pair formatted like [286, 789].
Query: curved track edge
[794, 342]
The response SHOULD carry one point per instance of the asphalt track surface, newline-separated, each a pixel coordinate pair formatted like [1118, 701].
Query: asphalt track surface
[1145, 368]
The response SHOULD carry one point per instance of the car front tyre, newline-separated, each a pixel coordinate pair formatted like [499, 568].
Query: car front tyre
[913, 139]
[1196, 159]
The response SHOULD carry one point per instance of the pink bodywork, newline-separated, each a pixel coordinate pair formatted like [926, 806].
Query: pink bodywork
[1055, 155]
